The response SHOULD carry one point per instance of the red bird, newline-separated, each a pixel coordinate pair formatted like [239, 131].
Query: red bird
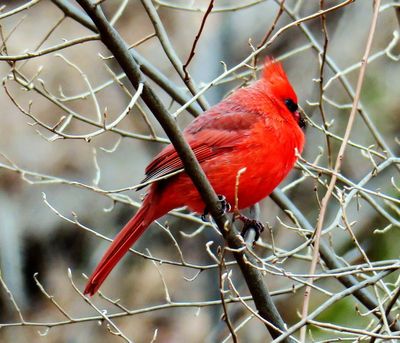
[257, 127]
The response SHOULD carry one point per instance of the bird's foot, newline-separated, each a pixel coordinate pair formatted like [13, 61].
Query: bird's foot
[226, 207]
[251, 224]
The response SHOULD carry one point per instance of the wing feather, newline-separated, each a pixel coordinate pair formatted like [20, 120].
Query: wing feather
[207, 138]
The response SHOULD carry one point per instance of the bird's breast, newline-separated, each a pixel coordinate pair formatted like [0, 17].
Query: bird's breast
[249, 172]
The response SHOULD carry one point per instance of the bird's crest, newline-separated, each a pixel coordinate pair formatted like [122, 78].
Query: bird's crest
[273, 70]
[276, 81]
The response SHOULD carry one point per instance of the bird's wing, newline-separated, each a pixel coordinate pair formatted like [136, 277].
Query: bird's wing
[207, 138]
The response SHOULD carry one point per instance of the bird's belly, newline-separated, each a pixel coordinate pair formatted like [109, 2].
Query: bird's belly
[258, 177]
[249, 182]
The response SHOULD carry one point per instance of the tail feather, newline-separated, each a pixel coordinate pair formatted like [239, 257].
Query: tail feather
[121, 244]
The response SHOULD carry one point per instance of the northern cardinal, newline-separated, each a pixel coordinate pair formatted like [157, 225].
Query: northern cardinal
[257, 127]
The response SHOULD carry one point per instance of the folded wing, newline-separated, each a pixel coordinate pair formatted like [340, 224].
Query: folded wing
[207, 138]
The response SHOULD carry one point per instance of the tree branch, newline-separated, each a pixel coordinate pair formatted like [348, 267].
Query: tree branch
[253, 277]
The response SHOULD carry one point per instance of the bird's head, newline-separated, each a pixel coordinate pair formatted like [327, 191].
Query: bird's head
[277, 85]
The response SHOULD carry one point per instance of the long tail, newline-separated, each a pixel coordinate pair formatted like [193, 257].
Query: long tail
[121, 244]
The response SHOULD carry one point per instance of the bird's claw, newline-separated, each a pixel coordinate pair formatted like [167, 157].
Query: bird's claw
[225, 206]
[251, 224]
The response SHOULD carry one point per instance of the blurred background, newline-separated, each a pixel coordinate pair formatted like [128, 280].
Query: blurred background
[61, 194]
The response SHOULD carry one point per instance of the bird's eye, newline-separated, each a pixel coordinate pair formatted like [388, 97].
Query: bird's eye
[291, 105]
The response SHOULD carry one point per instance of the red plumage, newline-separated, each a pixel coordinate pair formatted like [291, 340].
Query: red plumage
[257, 127]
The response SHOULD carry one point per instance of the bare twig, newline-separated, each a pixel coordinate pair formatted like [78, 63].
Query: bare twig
[222, 278]
[196, 39]
[46, 51]
[19, 9]
[271, 29]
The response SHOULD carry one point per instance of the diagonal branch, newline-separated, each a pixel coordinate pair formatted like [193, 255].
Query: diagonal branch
[253, 277]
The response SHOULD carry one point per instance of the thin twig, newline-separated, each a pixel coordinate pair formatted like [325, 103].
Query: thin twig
[222, 278]
[196, 40]
[271, 29]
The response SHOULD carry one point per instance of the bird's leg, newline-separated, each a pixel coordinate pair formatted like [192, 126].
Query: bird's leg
[250, 224]
[226, 207]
